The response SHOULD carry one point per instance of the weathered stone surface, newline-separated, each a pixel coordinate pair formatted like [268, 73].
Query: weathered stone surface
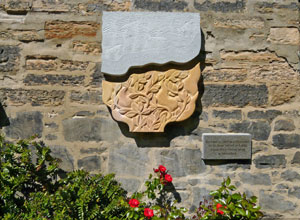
[84, 114]
[92, 150]
[46, 63]
[51, 125]
[91, 48]
[286, 141]
[235, 95]
[18, 7]
[91, 163]
[35, 97]
[268, 115]
[147, 102]
[57, 6]
[250, 57]
[275, 202]
[282, 93]
[218, 146]
[163, 5]
[128, 160]
[259, 130]
[240, 23]
[182, 162]
[220, 6]
[290, 175]
[284, 35]
[72, 65]
[158, 38]
[52, 79]
[256, 179]
[66, 159]
[284, 125]
[270, 161]
[9, 58]
[51, 137]
[65, 29]
[87, 129]
[294, 192]
[130, 185]
[28, 36]
[296, 158]
[96, 7]
[199, 194]
[89, 97]
[25, 125]
[235, 114]
[224, 75]
[97, 76]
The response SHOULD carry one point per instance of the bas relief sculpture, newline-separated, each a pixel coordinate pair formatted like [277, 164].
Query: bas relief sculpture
[148, 101]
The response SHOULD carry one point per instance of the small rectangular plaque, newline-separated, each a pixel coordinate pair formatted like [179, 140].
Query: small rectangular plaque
[219, 146]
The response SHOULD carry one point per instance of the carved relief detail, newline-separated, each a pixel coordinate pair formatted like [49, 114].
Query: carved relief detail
[149, 101]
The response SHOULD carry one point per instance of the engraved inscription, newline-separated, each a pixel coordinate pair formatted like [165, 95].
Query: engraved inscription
[227, 146]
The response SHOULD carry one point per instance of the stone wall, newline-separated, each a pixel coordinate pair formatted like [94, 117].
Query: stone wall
[50, 84]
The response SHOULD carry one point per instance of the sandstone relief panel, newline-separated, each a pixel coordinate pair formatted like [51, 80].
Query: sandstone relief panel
[149, 101]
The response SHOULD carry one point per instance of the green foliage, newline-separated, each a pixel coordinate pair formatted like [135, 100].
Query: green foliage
[30, 190]
[229, 205]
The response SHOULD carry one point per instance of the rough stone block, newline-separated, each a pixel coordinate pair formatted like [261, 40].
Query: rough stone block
[163, 5]
[71, 65]
[51, 6]
[295, 192]
[35, 97]
[284, 125]
[89, 97]
[97, 7]
[235, 114]
[235, 95]
[87, 129]
[91, 163]
[90, 48]
[182, 162]
[51, 137]
[224, 6]
[268, 115]
[281, 93]
[296, 158]
[97, 76]
[69, 29]
[224, 75]
[147, 102]
[53, 79]
[9, 58]
[276, 202]
[130, 185]
[66, 159]
[28, 36]
[290, 175]
[254, 23]
[270, 161]
[18, 7]
[46, 63]
[286, 141]
[148, 37]
[25, 125]
[259, 130]
[128, 160]
[256, 179]
[284, 35]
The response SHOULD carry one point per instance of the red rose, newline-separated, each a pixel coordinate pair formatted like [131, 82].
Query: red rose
[219, 211]
[134, 203]
[156, 170]
[168, 178]
[148, 213]
[162, 168]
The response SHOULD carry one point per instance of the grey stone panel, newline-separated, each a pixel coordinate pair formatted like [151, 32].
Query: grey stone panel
[91, 163]
[286, 141]
[284, 125]
[256, 179]
[25, 125]
[270, 161]
[139, 38]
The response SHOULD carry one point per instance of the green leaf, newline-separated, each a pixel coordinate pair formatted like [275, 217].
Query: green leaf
[228, 181]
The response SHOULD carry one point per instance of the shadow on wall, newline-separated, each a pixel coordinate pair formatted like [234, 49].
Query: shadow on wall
[4, 121]
[174, 129]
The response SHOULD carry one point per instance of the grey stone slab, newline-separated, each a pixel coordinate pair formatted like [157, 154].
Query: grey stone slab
[139, 38]
[218, 146]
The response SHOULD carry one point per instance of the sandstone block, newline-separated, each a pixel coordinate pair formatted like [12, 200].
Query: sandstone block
[51, 6]
[46, 63]
[91, 48]
[240, 23]
[69, 29]
[148, 37]
[281, 93]
[284, 36]
[18, 7]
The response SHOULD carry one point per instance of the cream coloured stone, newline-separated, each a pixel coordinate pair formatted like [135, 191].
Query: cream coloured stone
[138, 38]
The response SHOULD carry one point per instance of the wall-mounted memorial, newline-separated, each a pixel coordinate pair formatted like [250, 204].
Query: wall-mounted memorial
[148, 100]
